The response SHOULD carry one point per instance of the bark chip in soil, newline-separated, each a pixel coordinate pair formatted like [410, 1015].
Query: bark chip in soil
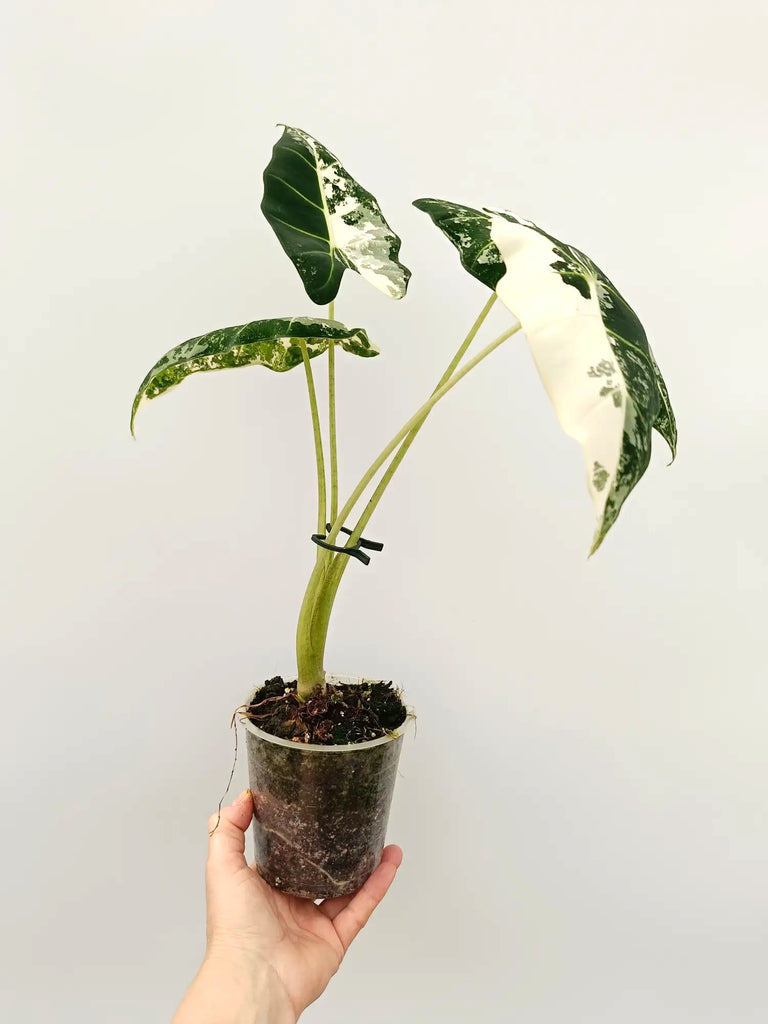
[344, 713]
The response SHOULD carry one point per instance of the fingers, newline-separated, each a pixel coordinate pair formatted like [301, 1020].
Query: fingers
[226, 831]
[351, 913]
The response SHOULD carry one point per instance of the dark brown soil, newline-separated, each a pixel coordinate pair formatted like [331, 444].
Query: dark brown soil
[344, 713]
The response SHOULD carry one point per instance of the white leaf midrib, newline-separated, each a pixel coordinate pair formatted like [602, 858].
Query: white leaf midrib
[326, 212]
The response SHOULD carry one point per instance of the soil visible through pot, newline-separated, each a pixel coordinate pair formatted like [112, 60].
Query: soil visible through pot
[344, 713]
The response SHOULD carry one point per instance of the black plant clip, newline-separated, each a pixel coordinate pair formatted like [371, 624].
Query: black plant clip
[354, 551]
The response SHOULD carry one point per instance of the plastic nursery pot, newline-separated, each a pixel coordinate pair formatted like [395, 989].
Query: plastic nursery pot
[320, 812]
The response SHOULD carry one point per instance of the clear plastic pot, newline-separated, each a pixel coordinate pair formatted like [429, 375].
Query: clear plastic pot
[320, 812]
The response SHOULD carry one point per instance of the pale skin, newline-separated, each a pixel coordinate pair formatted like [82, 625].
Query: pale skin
[269, 955]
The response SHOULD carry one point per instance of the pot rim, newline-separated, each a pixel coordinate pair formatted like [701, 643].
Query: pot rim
[336, 748]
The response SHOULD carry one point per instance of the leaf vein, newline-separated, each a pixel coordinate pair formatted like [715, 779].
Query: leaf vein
[300, 155]
[300, 194]
[301, 231]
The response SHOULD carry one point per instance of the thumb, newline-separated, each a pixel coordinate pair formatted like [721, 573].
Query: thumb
[226, 830]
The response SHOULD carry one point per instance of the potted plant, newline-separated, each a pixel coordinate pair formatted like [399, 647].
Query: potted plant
[323, 749]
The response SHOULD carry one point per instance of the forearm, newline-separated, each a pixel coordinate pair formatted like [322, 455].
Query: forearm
[224, 993]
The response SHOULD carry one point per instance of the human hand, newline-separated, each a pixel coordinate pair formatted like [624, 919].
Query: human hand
[278, 949]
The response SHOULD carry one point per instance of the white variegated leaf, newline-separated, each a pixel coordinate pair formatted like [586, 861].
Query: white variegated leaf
[276, 344]
[326, 221]
[590, 349]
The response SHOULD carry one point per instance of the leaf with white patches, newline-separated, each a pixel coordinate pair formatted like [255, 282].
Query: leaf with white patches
[590, 348]
[327, 222]
[276, 344]
[470, 232]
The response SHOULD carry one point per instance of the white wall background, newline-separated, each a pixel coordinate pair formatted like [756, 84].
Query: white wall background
[588, 842]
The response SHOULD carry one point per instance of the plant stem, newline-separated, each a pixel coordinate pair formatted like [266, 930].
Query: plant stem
[309, 657]
[332, 422]
[467, 341]
[400, 455]
[415, 421]
[324, 581]
[321, 507]
[309, 660]
[335, 570]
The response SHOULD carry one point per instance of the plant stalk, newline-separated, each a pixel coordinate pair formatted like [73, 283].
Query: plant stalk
[414, 422]
[335, 570]
[332, 422]
[408, 441]
[319, 459]
[310, 660]
[309, 654]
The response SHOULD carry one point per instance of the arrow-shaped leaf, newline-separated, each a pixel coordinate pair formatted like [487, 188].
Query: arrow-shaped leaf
[590, 348]
[326, 221]
[275, 344]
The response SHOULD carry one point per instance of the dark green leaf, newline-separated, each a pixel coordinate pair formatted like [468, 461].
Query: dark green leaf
[326, 221]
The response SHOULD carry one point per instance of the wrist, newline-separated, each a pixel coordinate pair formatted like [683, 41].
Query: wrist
[226, 991]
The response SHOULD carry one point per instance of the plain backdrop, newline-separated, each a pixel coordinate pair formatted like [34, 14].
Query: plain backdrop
[583, 806]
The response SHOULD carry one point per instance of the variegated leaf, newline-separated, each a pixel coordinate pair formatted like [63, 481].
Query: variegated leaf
[470, 232]
[275, 344]
[590, 348]
[326, 221]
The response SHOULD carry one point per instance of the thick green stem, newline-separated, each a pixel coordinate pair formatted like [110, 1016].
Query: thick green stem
[309, 655]
[332, 421]
[323, 584]
[310, 660]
